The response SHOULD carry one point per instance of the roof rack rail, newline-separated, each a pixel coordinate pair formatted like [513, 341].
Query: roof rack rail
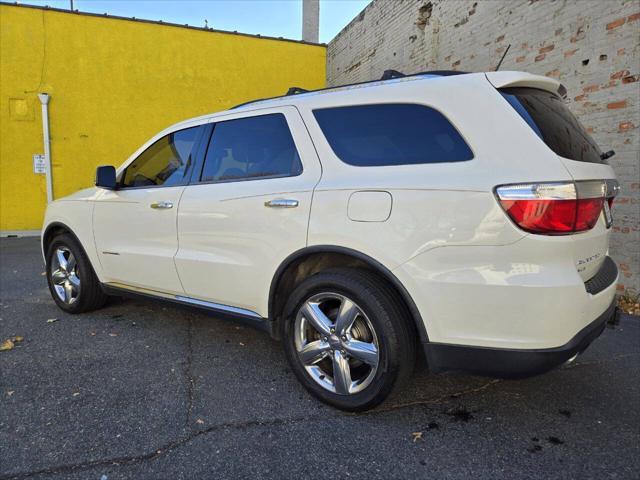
[387, 75]
[295, 91]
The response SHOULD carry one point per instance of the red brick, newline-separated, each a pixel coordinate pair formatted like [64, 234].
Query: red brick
[547, 49]
[590, 129]
[615, 23]
[634, 17]
[500, 38]
[620, 74]
[614, 105]
[591, 88]
[630, 79]
[540, 57]
[612, 83]
[621, 51]
[520, 59]
[456, 63]
[570, 53]
[580, 98]
[625, 126]
[553, 73]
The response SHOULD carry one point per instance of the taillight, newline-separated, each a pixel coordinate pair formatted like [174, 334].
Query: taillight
[557, 208]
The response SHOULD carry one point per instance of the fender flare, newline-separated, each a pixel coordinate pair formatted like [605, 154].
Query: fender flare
[371, 262]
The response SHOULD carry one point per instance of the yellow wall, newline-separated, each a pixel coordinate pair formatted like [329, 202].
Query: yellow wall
[113, 84]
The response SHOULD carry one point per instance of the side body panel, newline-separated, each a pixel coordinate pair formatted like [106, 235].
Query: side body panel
[231, 244]
[135, 242]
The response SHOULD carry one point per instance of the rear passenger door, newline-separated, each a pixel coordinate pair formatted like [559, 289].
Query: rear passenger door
[247, 209]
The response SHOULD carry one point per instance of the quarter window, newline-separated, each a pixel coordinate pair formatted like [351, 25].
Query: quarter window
[165, 163]
[391, 134]
[251, 148]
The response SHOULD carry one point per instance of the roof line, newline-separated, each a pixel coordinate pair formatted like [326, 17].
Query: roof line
[159, 22]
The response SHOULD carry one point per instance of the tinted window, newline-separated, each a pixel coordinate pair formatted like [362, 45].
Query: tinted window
[167, 162]
[553, 122]
[391, 134]
[254, 147]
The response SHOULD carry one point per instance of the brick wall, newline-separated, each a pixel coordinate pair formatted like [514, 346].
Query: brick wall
[593, 47]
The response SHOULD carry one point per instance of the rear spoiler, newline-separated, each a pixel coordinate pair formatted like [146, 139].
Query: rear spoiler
[523, 79]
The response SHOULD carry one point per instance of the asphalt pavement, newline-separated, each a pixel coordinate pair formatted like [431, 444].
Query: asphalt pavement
[143, 390]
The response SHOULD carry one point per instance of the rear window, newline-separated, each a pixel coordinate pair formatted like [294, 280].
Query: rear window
[391, 134]
[553, 122]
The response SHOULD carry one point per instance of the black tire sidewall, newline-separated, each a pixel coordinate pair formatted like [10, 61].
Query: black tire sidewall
[84, 272]
[380, 313]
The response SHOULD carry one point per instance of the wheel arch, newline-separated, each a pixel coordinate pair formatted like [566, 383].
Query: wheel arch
[298, 258]
[56, 228]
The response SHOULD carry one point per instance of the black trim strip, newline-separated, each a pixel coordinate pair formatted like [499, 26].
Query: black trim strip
[259, 323]
[607, 274]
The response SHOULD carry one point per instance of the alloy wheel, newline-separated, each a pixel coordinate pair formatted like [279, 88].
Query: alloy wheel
[336, 343]
[64, 275]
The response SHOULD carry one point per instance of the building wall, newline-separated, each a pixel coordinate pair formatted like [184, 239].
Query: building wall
[592, 46]
[113, 84]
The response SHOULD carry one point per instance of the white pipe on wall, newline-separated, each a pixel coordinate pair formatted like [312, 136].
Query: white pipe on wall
[44, 100]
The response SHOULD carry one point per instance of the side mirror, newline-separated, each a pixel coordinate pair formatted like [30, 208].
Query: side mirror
[106, 177]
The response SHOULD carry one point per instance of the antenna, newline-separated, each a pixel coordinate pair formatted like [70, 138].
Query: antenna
[503, 55]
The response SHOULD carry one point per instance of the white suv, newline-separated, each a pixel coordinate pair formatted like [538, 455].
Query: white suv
[466, 217]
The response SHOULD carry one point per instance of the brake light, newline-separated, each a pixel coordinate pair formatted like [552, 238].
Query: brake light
[557, 208]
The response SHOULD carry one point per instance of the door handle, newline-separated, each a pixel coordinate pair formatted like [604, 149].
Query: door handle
[282, 203]
[162, 204]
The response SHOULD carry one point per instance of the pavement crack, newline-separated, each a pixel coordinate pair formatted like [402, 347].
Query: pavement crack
[434, 401]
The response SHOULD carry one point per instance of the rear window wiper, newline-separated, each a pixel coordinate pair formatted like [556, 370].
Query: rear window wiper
[605, 155]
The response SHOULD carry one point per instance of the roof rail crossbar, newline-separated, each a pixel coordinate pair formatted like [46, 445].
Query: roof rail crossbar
[296, 90]
[389, 74]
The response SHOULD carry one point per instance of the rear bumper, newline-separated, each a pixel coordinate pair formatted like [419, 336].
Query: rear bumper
[512, 362]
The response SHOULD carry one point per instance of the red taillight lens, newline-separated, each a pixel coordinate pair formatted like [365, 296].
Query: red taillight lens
[555, 208]
[542, 216]
[588, 212]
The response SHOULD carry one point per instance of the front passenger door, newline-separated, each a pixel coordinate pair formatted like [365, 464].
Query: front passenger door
[135, 225]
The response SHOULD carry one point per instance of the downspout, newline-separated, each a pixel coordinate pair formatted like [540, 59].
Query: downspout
[44, 100]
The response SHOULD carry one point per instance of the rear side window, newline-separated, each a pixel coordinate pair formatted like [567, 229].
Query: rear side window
[553, 122]
[391, 134]
[251, 148]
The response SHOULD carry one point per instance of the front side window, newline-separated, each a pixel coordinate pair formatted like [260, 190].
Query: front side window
[165, 163]
[391, 134]
[253, 147]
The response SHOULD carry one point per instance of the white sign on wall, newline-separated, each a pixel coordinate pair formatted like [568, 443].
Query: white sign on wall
[39, 164]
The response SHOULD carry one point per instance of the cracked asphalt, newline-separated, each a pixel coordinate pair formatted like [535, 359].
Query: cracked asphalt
[146, 390]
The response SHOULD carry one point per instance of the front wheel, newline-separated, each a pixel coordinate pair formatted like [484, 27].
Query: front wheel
[72, 282]
[347, 339]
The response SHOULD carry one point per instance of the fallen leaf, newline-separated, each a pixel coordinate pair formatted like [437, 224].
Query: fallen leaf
[93, 334]
[51, 320]
[18, 339]
[10, 392]
[241, 344]
[113, 334]
[6, 345]
[43, 274]
[416, 436]
[76, 394]
[200, 421]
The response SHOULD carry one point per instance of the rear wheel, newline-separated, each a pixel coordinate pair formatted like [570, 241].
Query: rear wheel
[347, 339]
[72, 281]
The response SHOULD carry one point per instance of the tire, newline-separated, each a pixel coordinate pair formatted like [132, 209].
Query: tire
[75, 288]
[377, 351]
